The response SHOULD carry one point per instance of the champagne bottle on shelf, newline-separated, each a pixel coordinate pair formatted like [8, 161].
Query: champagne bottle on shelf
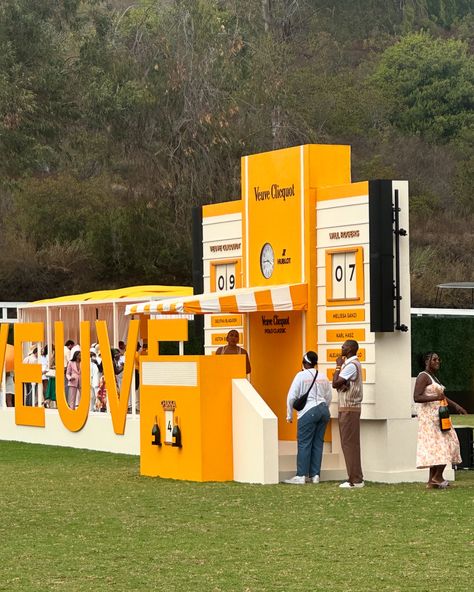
[156, 433]
[176, 435]
[444, 419]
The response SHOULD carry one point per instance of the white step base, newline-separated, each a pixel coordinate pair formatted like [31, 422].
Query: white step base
[287, 450]
[333, 467]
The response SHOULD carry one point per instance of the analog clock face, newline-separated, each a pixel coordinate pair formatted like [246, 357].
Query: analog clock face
[267, 260]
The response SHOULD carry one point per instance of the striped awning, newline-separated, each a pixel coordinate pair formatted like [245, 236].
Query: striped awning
[262, 298]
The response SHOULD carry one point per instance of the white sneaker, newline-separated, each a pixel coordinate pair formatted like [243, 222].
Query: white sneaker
[348, 485]
[296, 480]
[314, 479]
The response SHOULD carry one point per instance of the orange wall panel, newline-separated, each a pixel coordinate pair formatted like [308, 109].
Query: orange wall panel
[274, 190]
[216, 414]
[169, 462]
[204, 415]
[276, 358]
[329, 165]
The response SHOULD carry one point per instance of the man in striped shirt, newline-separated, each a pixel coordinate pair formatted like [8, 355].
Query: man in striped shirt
[347, 380]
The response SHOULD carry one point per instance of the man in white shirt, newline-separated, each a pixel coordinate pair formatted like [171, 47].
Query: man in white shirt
[347, 380]
[67, 353]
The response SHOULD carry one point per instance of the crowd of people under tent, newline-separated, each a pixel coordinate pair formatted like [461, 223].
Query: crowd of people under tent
[71, 374]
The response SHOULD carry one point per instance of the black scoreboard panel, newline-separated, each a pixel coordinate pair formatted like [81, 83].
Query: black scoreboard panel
[381, 235]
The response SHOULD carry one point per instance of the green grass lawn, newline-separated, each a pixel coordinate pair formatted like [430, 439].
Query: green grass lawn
[463, 420]
[75, 520]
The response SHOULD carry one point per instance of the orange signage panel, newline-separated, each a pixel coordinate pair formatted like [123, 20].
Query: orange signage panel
[333, 354]
[273, 196]
[341, 335]
[220, 338]
[346, 315]
[221, 321]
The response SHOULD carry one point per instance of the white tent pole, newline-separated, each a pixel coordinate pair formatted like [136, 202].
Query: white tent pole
[38, 398]
[115, 324]
[133, 395]
[49, 333]
[3, 401]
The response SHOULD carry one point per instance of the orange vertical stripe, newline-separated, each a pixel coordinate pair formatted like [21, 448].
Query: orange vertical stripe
[3, 344]
[264, 300]
[299, 296]
[193, 307]
[228, 304]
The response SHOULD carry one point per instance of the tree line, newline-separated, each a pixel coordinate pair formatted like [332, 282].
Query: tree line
[117, 118]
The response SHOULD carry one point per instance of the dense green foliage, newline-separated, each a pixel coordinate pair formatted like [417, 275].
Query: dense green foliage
[117, 118]
[453, 339]
[430, 87]
[81, 521]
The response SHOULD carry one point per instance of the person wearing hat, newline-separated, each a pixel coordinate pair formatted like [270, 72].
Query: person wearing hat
[98, 359]
[312, 418]
[30, 388]
[118, 367]
[67, 358]
[95, 377]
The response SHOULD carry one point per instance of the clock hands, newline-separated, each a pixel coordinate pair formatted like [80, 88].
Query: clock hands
[267, 260]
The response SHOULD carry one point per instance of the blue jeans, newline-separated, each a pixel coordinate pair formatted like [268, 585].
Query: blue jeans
[311, 428]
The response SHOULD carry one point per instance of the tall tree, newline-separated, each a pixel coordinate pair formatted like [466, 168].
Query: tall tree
[429, 84]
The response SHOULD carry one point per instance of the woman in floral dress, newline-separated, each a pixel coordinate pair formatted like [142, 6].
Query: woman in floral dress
[435, 449]
[101, 399]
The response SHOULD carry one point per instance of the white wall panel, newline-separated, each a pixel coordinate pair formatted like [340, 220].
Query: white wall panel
[97, 434]
[169, 373]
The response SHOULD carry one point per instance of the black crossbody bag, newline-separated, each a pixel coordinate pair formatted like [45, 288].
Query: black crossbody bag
[299, 404]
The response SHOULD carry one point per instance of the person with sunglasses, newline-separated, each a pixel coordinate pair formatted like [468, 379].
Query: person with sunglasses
[435, 448]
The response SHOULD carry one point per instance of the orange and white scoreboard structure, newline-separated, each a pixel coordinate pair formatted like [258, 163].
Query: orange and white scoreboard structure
[305, 259]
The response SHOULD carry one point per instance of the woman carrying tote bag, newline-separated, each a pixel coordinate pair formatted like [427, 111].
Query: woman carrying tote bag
[313, 418]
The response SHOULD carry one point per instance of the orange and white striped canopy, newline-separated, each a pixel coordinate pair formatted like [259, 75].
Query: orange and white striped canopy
[242, 300]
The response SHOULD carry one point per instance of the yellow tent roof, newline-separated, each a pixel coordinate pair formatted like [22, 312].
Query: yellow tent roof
[135, 292]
